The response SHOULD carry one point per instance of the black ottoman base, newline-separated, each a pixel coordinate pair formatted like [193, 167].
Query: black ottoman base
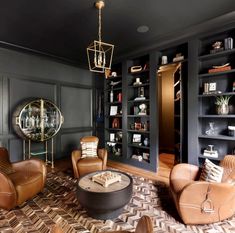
[104, 215]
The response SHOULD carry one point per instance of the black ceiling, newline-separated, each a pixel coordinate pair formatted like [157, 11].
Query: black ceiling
[65, 28]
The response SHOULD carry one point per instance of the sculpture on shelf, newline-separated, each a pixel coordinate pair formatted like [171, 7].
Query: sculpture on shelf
[143, 109]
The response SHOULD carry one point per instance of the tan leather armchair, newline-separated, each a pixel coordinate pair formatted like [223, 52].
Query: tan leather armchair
[144, 225]
[201, 202]
[19, 181]
[82, 166]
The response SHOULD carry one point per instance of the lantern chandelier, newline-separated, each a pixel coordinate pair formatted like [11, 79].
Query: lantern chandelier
[99, 53]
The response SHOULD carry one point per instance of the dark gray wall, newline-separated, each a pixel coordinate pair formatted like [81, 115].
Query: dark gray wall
[23, 76]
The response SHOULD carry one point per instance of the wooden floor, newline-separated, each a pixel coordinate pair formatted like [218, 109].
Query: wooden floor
[166, 162]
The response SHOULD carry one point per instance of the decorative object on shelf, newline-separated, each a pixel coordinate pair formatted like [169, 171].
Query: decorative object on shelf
[137, 157]
[118, 137]
[206, 88]
[228, 43]
[143, 109]
[119, 97]
[217, 47]
[113, 74]
[146, 156]
[112, 137]
[146, 142]
[233, 87]
[111, 96]
[99, 53]
[132, 126]
[164, 60]
[231, 130]
[135, 69]
[146, 66]
[136, 110]
[210, 89]
[212, 131]
[221, 68]
[113, 110]
[210, 152]
[112, 83]
[140, 94]
[222, 104]
[137, 125]
[111, 145]
[137, 82]
[137, 139]
[140, 91]
[145, 126]
[178, 57]
[116, 123]
[118, 152]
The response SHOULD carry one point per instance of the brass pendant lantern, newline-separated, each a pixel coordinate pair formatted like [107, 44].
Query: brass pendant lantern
[99, 53]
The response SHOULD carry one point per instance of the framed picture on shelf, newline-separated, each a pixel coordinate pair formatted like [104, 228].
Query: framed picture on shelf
[113, 110]
[136, 138]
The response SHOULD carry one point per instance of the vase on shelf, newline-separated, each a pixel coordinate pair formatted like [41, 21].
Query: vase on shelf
[222, 103]
[223, 109]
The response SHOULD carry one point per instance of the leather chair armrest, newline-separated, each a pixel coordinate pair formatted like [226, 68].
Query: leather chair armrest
[32, 164]
[207, 201]
[144, 225]
[103, 155]
[75, 156]
[8, 196]
[184, 171]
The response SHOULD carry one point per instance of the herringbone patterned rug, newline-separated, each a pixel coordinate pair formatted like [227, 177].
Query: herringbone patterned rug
[58, 204]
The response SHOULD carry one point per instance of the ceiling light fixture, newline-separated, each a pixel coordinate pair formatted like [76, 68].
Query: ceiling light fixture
[143, 29]
[99, 53]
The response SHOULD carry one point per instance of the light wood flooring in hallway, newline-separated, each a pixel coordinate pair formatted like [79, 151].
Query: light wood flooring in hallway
[166, 162]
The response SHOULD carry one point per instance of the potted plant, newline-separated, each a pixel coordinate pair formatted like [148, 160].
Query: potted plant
[222, 104]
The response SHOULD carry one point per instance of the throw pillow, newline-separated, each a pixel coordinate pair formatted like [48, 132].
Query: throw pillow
[211, 172]
[89, 149]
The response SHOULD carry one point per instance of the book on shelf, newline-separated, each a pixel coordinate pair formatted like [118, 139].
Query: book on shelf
[214, 70]
[212, 92]
[140, 98]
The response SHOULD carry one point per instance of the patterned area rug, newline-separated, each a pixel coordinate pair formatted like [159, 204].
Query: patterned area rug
[58, 204]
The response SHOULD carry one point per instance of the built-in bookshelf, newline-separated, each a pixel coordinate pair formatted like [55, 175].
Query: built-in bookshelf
[216, 80]
[129, 138]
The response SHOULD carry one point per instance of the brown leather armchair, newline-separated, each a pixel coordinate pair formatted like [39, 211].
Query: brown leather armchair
[201, 202]
[19, 181]
[82, 166]
[144, 225]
